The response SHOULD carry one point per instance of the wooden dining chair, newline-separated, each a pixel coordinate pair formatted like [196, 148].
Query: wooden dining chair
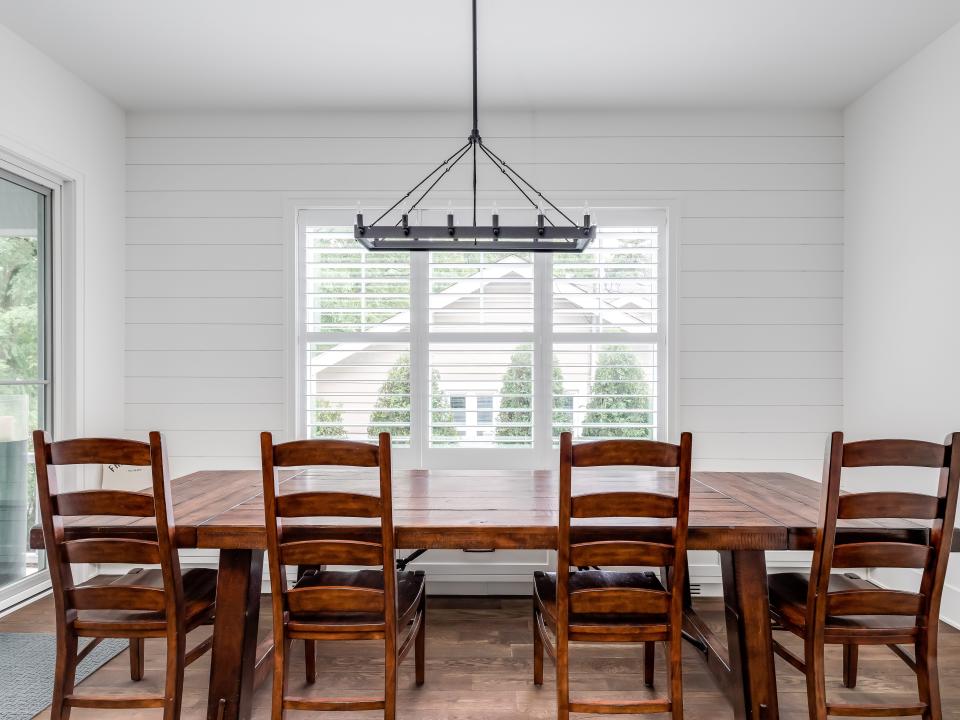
[593, 605]
[368, 604]
[157, 603]
[846, 610]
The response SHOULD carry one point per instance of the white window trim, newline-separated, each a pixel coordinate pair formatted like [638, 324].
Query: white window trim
[542, 456]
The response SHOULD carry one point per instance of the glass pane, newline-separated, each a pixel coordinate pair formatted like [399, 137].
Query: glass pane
[605, 391]
[22, 402]
[611, 287]
[481, 292]
[21, 232]
[481, 395]
[349, 289]
[20, 412]
[355, 391]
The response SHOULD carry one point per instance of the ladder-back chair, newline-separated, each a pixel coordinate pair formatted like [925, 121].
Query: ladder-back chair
[842, 608]
[157, 603]
[322, 604]
[605, 606]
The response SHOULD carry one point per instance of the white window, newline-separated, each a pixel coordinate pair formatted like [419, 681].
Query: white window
[463, 355]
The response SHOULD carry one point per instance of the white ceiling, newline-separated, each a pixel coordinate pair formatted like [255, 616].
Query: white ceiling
[535, 54]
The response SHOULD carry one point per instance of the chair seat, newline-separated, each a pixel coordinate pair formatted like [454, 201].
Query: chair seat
[545, 587]
[410, 587]
[199, 594]
[788, 600]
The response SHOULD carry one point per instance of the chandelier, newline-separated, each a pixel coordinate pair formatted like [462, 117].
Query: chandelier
[564, 235]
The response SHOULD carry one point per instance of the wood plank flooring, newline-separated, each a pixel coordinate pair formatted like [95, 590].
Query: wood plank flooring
[479, 668]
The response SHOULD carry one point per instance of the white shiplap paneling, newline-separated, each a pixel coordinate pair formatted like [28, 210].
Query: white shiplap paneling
[758, 335]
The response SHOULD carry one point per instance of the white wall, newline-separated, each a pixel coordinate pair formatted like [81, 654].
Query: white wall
[901, 297]
[54, 120]
[759, 334]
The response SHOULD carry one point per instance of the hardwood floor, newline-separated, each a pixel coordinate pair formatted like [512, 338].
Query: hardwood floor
[479, 667]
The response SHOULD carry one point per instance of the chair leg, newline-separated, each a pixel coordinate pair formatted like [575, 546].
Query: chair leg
[65, 673]
[136, 658]
[649, 655]
[675, 674]
[420, 648]
[816, 680]
[280, 650]
[310, 660]
[928, 676]
[537, 647]
[851, 653]
[390, 682]
[563, 674]
[176, 661]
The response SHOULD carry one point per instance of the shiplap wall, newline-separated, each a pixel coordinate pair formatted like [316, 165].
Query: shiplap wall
[758, 335]
[759, 316]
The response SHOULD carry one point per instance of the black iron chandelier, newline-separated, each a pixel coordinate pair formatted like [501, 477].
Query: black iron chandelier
[545, 236]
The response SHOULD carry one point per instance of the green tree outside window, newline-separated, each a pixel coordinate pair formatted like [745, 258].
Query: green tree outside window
[515, 419]
[392, 410]
[619, 397]
[328, 421]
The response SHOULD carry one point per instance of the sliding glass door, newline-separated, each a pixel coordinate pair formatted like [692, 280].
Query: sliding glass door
[25, 393]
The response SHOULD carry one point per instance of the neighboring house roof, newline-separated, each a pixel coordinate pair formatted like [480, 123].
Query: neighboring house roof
[618, 308]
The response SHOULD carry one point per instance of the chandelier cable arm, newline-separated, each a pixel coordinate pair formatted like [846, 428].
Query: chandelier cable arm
[412, 190]
[533, 203]
[528, 184]
[463, 151]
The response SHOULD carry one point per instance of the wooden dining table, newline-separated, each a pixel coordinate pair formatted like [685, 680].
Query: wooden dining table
[738, 514]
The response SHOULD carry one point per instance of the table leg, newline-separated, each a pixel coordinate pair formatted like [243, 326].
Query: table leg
[234, 656]
[749, 641]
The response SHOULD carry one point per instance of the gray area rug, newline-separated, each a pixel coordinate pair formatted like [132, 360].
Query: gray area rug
[26, 671]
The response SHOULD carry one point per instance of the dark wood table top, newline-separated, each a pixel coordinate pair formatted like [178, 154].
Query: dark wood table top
[504, 509]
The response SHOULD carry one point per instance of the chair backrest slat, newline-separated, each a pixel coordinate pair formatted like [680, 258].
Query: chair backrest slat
[110, 550]
[895, 453]
[104, 502]
[620, 553]
[330, 452]
[874, 602]
[881, 555]
[649, 453]
[613, 548]
[98, 451]
[329, 549]
[328, 504]
[860, 506]
[863, 551]
[624, 504]
[331, 552]
[112, 597]
[103, 546]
